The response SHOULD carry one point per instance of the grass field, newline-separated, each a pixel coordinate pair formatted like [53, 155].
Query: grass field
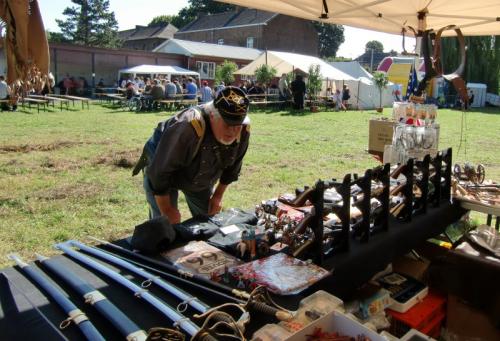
[68, 174]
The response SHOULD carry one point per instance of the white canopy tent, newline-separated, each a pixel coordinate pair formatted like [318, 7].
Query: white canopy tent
[285, 62]
[478, 17]
[365, 94]
[154, 70]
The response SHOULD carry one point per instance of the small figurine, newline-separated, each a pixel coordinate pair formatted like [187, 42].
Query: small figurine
[214, 276]
[225, 275]
[241, 284]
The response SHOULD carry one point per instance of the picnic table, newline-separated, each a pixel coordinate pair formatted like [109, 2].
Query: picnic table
[38, 102]
[52, 100]
[265, 99]
[83, 100]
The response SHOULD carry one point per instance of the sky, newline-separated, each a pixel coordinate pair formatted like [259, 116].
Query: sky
[129, 13]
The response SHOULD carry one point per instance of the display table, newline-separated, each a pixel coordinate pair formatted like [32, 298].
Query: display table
[350, 269]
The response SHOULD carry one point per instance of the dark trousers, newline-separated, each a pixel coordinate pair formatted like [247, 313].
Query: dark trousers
[197, 201]
[298, 100]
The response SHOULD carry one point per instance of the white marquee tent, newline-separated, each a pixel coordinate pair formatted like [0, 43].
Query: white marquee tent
[154, 70]
[286, 62]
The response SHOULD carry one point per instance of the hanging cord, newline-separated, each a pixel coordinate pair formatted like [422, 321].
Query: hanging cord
[463, 134]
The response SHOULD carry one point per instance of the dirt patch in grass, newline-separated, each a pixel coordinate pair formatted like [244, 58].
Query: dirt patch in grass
[26, 148]
[122, 159]
[69, 191]
[60, 165]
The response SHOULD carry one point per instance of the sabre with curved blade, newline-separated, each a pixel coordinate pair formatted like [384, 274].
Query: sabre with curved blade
[186, 298]
[172, 269]
[171, 313]
[94, 297]
[255, 302]
[75, 315]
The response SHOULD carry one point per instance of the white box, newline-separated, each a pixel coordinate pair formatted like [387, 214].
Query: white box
[336, 322]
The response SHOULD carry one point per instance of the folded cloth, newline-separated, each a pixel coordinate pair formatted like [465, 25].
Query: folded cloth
[202, 228]
[153, 236]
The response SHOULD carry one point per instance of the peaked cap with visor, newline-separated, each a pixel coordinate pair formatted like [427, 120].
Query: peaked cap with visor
[232, 104]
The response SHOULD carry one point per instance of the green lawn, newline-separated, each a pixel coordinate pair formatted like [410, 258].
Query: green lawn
[67, 174]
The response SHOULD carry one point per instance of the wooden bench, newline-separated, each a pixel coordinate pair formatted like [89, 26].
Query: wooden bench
[116, 97]
[4, 101]
[83, 100]
[52, 100]
[177, 102]
[38, 102]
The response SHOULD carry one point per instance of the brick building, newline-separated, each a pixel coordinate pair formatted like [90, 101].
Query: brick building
[146, 38]
[204, 57]
[253, 29]
[93, 63]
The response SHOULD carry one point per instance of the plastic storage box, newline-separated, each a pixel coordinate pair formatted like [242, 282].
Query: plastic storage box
[426, 317]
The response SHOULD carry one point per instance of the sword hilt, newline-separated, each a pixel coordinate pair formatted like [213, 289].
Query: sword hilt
[264, 308]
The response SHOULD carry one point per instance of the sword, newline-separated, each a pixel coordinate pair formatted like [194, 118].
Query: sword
[255, 302]
[172, 314]
[75, 315]
[94, 297]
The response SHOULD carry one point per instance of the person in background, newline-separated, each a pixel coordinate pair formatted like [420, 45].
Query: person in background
[337, 98]
[101, 83]
[298, 92]
[178, 86]
[170, 90]
[346, 94]
[283, 90]
[206, 93]
[130, 90]
[4, 93]
[471, 98]
[219, 88]
[67, 84]
[244, 87]
[283, 87]
[191, 89]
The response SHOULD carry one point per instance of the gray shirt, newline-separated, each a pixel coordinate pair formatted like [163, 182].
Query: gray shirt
[170, 90]
[173, 165]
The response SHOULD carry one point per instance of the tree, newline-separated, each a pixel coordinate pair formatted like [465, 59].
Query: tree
[225, 72]
[162, 20]
[196, 7]
[55, 37]
[381, 80]
[314, 81]
[265, 73]
[330, 38]
[482, 60]
[375, 45]
[90, 23]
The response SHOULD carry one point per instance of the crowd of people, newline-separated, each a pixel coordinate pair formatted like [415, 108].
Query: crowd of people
[73, 86]
[37, 84]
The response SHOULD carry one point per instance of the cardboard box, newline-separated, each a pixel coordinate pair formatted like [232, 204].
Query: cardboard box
[465, 323]
[411, 267]
[379, 134]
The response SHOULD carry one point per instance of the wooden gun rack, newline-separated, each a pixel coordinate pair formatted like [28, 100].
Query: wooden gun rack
[431, 171]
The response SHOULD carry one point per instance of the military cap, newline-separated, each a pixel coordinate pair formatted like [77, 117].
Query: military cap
[232, 104]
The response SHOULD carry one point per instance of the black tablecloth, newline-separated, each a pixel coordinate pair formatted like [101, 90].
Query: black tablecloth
[350, 270]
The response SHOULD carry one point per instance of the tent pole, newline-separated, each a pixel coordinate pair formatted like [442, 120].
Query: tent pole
[357, 97]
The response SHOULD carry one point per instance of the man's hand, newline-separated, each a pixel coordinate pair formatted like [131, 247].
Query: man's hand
[214, 205]
[166, 209]
[173, 215]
